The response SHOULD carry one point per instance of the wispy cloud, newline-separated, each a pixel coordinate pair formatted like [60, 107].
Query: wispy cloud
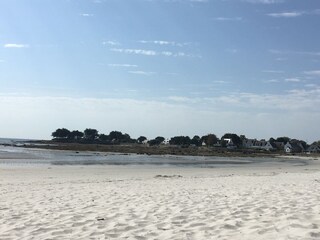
[292, 14]
[272, 71]
[15, 45]
[275, 51]
[228, 19]
[86, 14]
[122, 65]
[200, 1]
[165, 43]
[264, 1]
[151, 52]
[271, 81]
[286, 14]
[2, 61]
[220, 82]
[313, 73]
[111, 43]
[135, 51]
[311, 85]
[292, 80]
[142, 73]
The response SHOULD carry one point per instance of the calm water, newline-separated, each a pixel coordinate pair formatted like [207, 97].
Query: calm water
[15, 155]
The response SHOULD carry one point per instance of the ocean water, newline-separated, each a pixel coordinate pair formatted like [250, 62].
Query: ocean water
[13, 141]
[18, 155]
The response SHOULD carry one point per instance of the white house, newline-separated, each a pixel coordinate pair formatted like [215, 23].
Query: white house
[314, 148]
[254, 143]
[293, 147]
[165, 141]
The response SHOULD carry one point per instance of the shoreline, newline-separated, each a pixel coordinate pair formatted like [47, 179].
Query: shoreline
[158, 150]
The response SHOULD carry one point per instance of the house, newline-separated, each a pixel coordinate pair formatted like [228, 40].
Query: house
[248, 143]
[314, 148]
[229, 143]
[165, 141]
[254, 143]
[293, 147]
[278, 145]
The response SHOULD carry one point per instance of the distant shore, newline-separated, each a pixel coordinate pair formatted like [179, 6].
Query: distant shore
[156, 150]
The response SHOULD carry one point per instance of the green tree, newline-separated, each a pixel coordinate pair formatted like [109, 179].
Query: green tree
[75, 135]
[90, 134]
[210, 139]
[141, 139]
[61, 133]
[180, 140]
[234, 137]
[115, 135]
[196, 140]
[283, 139]
[160, 139]
[103, 137]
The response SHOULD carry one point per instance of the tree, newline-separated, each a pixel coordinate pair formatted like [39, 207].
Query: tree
[61, 133]
[272, 140]
[115, 135]
[141, 139]
[75, 135]
[196, 140]
[283, 139]
[90, 134]
[234, 137]
[210, 139]
[156, 141]
[160, 139]
[103, 137]
[180, 140]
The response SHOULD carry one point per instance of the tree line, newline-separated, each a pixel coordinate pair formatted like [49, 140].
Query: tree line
[91, 135]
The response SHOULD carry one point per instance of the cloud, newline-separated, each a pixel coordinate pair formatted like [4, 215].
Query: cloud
[272, 71]
[86, 15]
[165, 43]
[112, 43]
[220, 82]
[279, 52]
[272, 81]
[135, 51]
[142, 73]
[291, 114]
[224, 19]
[15, 45]
[313, 73]
[285, 14]
[292, 80]
[311, 85]
[122, 65]
[2, 61]
[151, 52]
[264, 1]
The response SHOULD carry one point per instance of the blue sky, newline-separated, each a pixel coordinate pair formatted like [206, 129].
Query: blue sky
[160, 67]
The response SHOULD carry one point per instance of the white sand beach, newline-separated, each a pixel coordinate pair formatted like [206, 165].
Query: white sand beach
[159, 202]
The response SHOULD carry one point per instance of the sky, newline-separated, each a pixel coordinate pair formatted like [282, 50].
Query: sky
[160, 67]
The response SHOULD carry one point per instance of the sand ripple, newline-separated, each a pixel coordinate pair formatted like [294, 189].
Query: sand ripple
[269, 206]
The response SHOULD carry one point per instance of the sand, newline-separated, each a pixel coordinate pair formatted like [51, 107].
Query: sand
[148, 202]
